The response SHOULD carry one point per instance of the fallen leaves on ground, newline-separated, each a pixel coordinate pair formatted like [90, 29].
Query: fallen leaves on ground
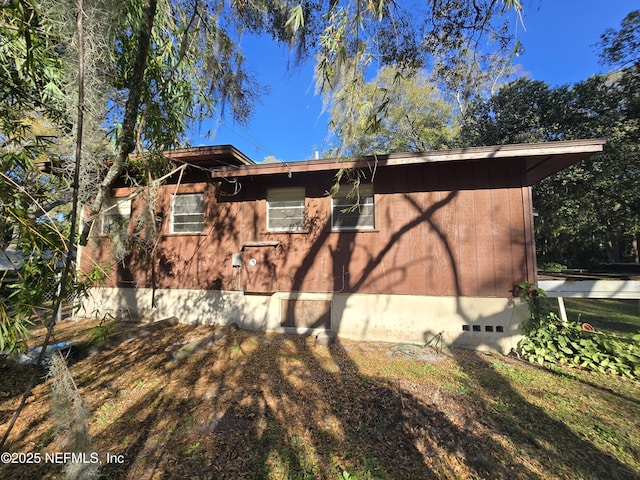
[209, 402]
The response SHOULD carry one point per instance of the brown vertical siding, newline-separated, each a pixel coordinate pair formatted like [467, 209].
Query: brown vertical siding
[503, 257]
[467, 239]
[418, 263]
[402, 254]
[460, 228]
[485, 232]
[448, 272]
[530, 250]
[503, 222]
[384, 218]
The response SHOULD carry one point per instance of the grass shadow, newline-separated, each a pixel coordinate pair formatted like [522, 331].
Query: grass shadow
[560, 430]
[255, 405]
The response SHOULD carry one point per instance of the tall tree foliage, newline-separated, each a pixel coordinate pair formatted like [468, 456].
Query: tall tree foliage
[444, 36]
[621, 49]
[32, 117]
[416, 117]
[174, 63]
[589, 212]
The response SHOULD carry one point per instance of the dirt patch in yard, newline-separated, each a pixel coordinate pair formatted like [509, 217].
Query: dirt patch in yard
[206, 402]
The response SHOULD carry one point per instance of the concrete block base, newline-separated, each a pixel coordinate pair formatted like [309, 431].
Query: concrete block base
[481, 323]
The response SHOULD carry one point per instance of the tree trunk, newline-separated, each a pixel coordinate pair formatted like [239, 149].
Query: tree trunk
[129, 122]
[613, 249]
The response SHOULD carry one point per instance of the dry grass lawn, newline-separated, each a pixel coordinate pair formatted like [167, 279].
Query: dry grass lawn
[203, 402]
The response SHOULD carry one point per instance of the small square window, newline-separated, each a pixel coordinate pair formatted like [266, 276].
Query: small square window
[187, 213]
[285, 209]
[115, 216]
[352, 208]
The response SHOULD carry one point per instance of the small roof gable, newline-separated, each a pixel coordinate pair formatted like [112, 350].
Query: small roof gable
[211, 156]
[540, 159]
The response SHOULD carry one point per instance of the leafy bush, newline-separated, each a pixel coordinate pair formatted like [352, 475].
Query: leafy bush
[548, 339]
[13, 332]
[100, 334]
[553, 267]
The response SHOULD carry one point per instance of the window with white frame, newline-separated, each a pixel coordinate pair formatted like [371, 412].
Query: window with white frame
[187, 213]
[115, 216]
[352, 208]
[285, 209]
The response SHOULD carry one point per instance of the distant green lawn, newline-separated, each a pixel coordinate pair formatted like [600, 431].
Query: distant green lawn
[613, 316]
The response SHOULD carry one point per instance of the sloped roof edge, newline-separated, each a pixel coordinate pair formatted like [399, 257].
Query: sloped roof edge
[211, 156]
[541, 159]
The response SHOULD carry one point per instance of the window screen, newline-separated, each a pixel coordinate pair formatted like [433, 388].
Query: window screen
[285, 209]
[115, 216]
[353, 209]
[188, 213]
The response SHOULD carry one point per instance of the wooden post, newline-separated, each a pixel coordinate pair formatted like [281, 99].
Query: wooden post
[563, 312]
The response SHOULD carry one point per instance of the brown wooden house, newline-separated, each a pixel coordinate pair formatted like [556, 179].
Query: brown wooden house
[429, 242]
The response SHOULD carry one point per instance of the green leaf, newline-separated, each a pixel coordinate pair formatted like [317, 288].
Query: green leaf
[296, 18]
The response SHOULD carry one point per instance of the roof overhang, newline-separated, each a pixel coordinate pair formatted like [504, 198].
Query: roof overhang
[226, 156]
[540, 159]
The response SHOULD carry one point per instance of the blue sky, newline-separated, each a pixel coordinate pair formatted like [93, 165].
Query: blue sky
[559, 38]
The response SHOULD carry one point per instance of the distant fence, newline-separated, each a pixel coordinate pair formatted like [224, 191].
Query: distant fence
[572, 288]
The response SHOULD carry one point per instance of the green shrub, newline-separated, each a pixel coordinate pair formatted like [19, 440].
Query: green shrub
[553, 267]
[548, 339]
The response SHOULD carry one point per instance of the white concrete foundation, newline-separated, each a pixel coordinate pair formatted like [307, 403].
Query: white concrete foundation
[489, 324]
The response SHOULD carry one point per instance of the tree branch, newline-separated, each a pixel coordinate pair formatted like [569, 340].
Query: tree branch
[132, 107]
